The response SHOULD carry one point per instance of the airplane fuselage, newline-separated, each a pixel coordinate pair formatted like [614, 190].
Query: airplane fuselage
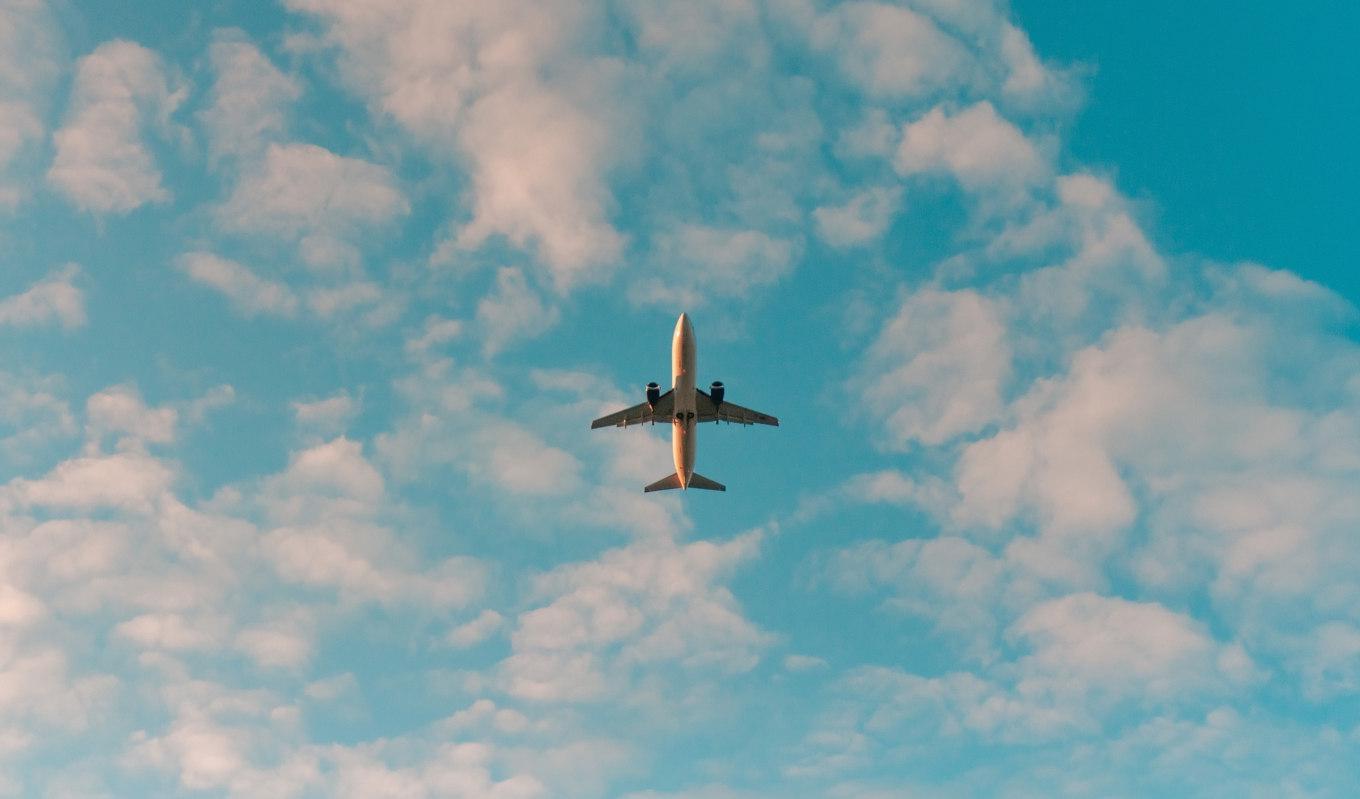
[684, 430]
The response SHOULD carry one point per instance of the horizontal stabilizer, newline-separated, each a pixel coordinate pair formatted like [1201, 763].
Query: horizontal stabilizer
[666, 483]
[697, 480]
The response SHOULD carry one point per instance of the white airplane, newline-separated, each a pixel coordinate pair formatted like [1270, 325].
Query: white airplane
[683, 406]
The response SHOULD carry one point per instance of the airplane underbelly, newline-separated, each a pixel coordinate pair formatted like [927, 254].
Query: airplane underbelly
[682, 447]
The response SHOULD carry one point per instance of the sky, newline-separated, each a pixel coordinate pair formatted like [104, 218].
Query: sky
[305, 309]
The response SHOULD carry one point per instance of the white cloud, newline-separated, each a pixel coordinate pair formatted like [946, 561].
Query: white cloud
[30, 64]
[938, 368]
[250, 98]
[644, 605]
[55, 298]
[120, 409]
[512, 311]
[699, 261]
[285, 642]
[330, 414]
[982, 150]
[860, 221]
[130, 481]
[534, 121]
[475, 631]
[889, 51]
[310, 195]
[33, 409]
[539, 187]
[171, 631]
[102, 164]
[1085, 643]
[436, 331]
[247, 291]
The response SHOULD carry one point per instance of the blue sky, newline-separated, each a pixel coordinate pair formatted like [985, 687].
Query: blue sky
[306, 307]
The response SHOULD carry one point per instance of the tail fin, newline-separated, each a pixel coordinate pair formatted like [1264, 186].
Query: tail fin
[666, 483]
[696, 480]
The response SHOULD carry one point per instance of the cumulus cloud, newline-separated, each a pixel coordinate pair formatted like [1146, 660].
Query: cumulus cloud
[120, 410]
[860, 221]
[30, 63]
[247, 291]
[938, 368]
[889, 51]
[512, 311]
[982, 150]
[250, 99]
[645, 605]
[700, 261]
[307, 194]
[530, 117]
[55, 298]
[102, 162]
[329, 414]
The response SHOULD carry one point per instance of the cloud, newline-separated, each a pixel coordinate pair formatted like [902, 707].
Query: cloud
[128, 481]
[938, 368]
[889, 51]
[701, 261]
[475, 631]
[247, 291]
[250, 99]
[533, 187]
[860, 221]
[102, 163]
[644, 605]
[120, 409]
[512, 311]
[330, 414]
[30, 61]
[533, 121]
[34, 411]
[309, 195]
[55, 298]
[979, 148]
[1086, 643]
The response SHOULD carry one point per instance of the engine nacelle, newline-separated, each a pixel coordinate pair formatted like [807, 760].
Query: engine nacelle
[653, 394]
[716, 391]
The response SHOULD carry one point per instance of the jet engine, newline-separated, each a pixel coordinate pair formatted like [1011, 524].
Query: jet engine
[716, 391]
[653, 394]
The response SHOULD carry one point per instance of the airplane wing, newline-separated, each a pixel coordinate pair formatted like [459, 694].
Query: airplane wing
[728, 411]
[640, 414]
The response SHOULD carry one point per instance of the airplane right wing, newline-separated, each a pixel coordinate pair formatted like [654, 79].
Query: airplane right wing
[640, 414]
[710, 411]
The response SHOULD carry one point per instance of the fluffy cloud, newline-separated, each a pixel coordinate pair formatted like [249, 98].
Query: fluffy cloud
[250, 293]
[705, 261]
[55, 298]
[250, 98]
[512, 311]
[102, 163]
[890, 51]
[29, 67]
[307, 194]
[120, 409]
[531, 119]
[938, 367]
[645, 605]
[860, 221]
[982, 150]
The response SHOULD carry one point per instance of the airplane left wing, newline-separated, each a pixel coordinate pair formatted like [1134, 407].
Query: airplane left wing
[709, 411]
[640, 413]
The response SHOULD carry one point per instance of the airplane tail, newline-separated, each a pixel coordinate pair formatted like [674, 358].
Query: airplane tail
[696, 480]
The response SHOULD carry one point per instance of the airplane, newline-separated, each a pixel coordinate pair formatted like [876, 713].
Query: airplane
[684, 406]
